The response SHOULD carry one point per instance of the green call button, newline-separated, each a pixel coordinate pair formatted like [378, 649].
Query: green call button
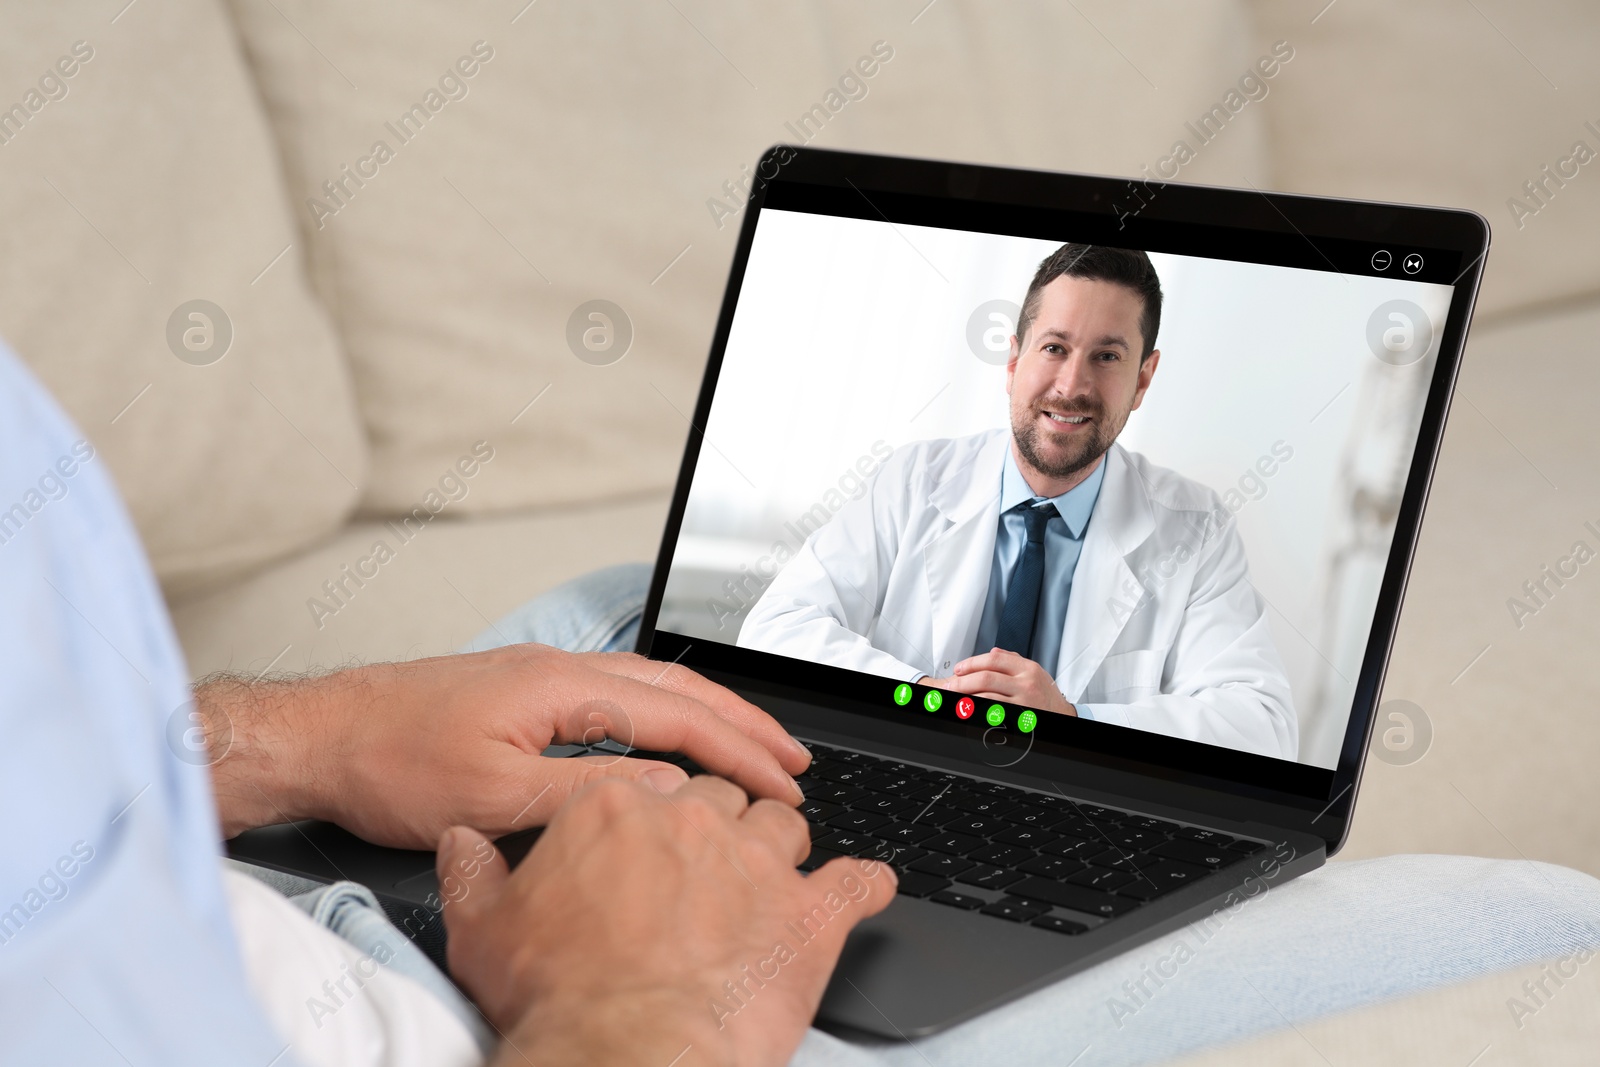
[902, 694]
[1027, 721]
[996, 715]
[933, 700]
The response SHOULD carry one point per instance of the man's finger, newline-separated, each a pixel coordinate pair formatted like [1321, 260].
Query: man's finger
[987, 684]
[550, 783]
[719, 794]
[782, 827]
[650, 718]
[745, 716]
[868, 885]
[471, 872]
[997, 659]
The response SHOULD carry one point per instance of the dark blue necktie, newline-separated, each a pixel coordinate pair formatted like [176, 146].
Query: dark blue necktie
[1022, 594]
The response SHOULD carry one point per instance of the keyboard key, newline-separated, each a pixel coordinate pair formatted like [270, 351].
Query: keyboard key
[1155, 826]
[1001, 855]
[958, 900]
[1018, 911]
[986, 877]
[1099, 816]
[901, 786]
[940, 864]
[1206, 837]
[1189, 851]
[1052, 866]
[850, 844]
[862, 822]
[1158, 877]
[1074, 848]
[1027, 814]
[1132, 840]
[954, 844]
[818, 857]
[1026, 836]
[1058, 924]
[1075, 897]
[1118, 860]
[832, 792]
[839, 771]
[1087, 834]
[819, 810]
[1143, 891]
[937, 814]
[1246, 848]
[913, 884]
[906, 833]
[1171, 874]
[981, 825]
[897, 856]
[1099, 878]
[984, 803]
[884, 804]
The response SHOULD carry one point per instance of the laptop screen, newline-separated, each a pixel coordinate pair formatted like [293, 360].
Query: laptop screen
[1085, 492]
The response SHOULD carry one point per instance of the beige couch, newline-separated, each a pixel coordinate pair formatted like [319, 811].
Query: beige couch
[392, 311]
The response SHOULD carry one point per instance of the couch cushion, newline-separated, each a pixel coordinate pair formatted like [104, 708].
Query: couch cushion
[429, 595]
[1460, 104]
[590, 153]
[143, 180]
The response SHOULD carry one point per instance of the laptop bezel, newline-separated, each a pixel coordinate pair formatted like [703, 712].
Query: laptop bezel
[1158, 204]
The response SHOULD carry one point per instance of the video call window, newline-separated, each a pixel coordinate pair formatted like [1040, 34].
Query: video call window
[1182, 533]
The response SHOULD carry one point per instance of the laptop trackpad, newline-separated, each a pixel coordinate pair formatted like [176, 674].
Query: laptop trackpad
[919, 967]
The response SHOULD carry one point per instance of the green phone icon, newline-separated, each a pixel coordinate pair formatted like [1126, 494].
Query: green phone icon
[1027, 721]
[933, 700]
[996, 715]
[902, 694]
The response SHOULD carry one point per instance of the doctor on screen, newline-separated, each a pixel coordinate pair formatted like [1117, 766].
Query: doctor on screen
[1047, 565]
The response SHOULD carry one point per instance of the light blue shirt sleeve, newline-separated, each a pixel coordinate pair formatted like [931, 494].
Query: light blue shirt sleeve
[116, 945]
[1063, 544]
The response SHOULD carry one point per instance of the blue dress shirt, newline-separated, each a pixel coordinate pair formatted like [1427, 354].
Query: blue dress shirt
[1063, 543]
[116, 943]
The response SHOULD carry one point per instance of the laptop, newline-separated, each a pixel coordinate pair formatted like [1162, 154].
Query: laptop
[1067, 520]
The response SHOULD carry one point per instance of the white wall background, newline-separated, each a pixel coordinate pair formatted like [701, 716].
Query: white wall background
[852, 331]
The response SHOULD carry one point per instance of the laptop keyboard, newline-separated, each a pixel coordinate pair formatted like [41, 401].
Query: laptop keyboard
[1014, 854]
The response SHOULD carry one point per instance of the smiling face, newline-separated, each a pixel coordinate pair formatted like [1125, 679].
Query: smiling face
[1074, 379]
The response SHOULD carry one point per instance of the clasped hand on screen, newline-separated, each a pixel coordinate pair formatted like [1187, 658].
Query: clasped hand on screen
[1003, 675]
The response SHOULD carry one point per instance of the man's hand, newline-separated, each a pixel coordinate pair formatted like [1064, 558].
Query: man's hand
[653, 928]
[1002, 675]
[398, 752]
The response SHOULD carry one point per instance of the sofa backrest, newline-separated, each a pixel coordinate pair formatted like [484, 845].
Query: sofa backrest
[1461, 104]
[470, 175]
[137, 176]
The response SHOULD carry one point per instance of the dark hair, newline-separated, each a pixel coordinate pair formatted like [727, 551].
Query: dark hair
[1120, 266]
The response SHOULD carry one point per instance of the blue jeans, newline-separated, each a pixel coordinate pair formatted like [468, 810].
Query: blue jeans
[1345, 935]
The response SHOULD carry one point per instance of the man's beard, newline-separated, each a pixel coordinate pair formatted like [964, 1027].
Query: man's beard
[1077, 455]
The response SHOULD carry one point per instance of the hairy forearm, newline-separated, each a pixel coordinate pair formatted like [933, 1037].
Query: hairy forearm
[272, 745]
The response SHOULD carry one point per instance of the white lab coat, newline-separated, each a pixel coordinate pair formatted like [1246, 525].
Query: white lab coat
[1163, 631]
